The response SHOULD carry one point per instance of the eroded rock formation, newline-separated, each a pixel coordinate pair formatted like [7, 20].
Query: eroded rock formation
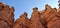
[48, 18]
[6, 16]
[22, 22]
[35, 19]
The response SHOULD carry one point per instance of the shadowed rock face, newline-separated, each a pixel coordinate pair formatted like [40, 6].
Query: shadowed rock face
[6, 16]
[48, 18]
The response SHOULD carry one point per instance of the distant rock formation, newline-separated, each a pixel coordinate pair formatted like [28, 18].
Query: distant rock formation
[48, 18]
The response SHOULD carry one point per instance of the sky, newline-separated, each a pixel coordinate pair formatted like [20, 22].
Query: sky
[22, 6]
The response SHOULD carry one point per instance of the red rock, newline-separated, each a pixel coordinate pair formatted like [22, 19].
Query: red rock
[48, 18]
[22, 22]
[6, 17]
[35, 20]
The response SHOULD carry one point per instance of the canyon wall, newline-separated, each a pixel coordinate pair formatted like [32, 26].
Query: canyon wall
[47, 18]
[6, 16]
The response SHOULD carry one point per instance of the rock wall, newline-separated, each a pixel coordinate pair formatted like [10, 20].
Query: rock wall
[22, 22]
[6, 16]
[48, 18]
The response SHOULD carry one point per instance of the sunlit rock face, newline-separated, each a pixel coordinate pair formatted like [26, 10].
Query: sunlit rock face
[52, 18]
[22, 22]
[54, 22]
[48, 18]
[6, 16]
[35, 19]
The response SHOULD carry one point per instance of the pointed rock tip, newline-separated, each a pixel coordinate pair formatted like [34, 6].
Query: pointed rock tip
[35, 8]
[25, 13]
[47, 5]
[1, 2]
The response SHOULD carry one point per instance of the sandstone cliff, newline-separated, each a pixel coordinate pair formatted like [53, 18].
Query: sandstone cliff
[6, 16]
[48, 18]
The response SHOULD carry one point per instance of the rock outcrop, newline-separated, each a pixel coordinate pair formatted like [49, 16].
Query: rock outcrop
[22, 22]
[54, 21]
[48, 18]
[35, 19]
[6, 16]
